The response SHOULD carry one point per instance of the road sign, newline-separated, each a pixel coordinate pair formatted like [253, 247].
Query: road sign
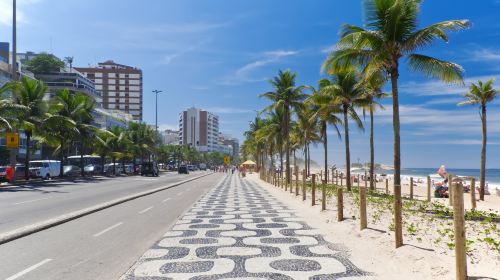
[12, 140]
[227, 160]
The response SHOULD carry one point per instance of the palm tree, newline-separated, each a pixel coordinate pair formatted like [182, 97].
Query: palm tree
[69, 60]
[83, 123]
[255, 125]
[31, 95]
[481, 94]
[326, 107]
[392, 34]
[117, 145]
[271, 135]
[9, 112]
[309, 129]
[289, 97]
[373, 92]
[103, 146]
[346, 91]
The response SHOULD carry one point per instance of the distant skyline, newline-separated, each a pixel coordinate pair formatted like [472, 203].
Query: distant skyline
[219, 54]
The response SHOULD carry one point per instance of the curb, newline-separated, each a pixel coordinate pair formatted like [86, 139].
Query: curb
[39, 226]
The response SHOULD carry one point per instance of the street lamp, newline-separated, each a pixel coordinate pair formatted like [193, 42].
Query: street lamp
[156, 116]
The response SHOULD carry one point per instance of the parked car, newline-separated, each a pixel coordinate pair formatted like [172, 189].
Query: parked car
[71, 170]
[191, 167]
[149, 168]
[45, 168]
[203, 166]
[108, 168]
[183, 169]
[129, 168]
[92, 169]
[3, 173]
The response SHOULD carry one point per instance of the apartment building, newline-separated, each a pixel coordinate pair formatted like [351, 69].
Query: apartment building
[120, 85]
[199, 129]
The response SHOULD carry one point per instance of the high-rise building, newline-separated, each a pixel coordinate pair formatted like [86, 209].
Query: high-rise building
[199, 129]
[120, 85]
[170, 137]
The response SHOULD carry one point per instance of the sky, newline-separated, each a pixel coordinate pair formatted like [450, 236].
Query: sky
[220, 54]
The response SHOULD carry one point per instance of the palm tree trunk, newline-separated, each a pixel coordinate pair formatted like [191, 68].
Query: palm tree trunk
[82, 164]
[325, 147]
[308, 161]
[281, 161]
[482, 172]
[27, 156]
[372, 151]
[347, 151]
[61, 166]
[397, 154]
[287, 145]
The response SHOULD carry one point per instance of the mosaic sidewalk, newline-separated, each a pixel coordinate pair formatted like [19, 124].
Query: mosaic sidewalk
[239, 231]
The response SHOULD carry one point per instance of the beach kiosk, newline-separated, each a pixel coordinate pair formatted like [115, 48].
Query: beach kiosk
[249, 165]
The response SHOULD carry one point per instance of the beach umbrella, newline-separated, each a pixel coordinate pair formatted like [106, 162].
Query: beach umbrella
[442, 171]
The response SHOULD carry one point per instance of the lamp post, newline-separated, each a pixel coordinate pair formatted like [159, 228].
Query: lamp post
[156, 115]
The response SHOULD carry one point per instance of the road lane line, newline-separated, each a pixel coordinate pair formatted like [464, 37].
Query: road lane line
[28, 201]
[31, 268]
[167, 199]
[146, 210]
[108, 229]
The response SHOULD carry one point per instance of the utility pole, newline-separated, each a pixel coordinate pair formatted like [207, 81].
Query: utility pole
[156, 115]
[13, 152]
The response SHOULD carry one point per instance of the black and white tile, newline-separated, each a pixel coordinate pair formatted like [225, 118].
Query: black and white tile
[239, 231]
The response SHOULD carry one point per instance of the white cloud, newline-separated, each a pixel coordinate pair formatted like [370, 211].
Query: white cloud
[243, 74]
[167, 59]
[485, 55]
[6, 11]
[438, 88]
[228, 110]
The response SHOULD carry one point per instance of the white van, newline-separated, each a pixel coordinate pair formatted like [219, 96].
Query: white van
[45, 168]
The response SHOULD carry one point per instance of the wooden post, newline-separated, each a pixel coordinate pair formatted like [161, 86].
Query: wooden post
[374, 181]
[362, 208]
[429, 188]
[296, 181]
[473, 193]
[366, 180]
[450, 189]
[459, 224]
[313, 192]
[336, 177]
[398, 219]
[321, 175]
[284, 182]
[358, 181]
[304, 178]
[341, 179]
[387, 186]
[340, 205]
[411, 187]
[333, 177]
[323, 197]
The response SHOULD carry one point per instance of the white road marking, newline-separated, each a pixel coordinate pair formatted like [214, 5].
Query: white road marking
[167, 199]
[146, 210]
[179, 194]
[28, 201]
[108, 229]
[31, 268]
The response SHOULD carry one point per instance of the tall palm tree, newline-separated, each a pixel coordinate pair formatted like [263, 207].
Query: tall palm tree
[347, 92]
[289, 97]
[326, 107]
[391, 34]
[270, 134]
[309, 129]
[104, 145]
[84, 124]
[254, 126]
[31, 95]
[372, 93]
[9, 112]
[481, 94]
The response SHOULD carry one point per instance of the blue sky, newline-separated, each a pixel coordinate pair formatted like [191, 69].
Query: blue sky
[219, 54]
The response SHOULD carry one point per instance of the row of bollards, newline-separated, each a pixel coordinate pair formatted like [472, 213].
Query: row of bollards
[456, 199]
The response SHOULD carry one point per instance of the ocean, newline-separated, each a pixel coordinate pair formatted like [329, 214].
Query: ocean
[492, 175]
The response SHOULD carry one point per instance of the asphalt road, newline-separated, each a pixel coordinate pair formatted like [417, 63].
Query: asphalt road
[30, 203]
[102, 245]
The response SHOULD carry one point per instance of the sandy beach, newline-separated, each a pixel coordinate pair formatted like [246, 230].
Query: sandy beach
[426, 254]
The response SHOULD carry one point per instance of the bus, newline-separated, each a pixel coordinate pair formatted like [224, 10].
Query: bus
[92, 164]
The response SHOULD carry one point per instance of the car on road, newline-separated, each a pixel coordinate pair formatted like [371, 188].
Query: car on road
[203, 166]
[183, 169]
[71, 170]
[45, 169]
[3, 173]
[149, 168]
[108, 168]
[92, 169]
